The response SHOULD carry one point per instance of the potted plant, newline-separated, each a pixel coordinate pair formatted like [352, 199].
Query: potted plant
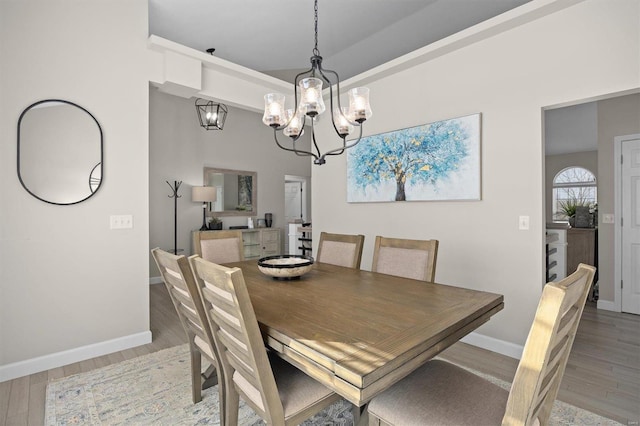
[567, 209]
[215, 223]
[593, 209]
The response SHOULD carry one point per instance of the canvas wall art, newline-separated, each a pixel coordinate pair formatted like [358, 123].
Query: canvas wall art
[435, 161]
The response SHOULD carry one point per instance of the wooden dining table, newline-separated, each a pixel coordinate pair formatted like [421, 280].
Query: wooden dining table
[359, 332]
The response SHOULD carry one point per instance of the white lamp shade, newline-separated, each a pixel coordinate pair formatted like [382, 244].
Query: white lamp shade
[203, 194]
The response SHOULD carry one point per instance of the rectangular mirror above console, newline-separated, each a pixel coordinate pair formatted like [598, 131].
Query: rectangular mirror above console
[237, 191]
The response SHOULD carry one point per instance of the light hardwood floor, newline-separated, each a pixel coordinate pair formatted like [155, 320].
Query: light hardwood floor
[602, 375]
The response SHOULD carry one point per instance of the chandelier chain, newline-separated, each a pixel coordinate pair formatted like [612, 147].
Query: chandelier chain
[315, 11]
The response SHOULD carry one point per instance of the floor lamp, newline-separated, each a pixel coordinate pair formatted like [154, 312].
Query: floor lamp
[204, 195]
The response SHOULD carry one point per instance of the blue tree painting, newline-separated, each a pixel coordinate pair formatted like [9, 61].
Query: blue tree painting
[436, 161]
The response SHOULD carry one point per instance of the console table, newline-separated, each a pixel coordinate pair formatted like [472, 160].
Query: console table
[257, 242]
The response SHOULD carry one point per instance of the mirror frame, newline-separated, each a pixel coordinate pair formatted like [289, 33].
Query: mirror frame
[92, 191]
[254, 191]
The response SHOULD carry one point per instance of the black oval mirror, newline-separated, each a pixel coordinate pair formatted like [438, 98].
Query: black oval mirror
[59, 152]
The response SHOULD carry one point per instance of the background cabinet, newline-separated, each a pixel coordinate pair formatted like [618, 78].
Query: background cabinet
[258, 242]
[261, 242]
[556, 254]
[300, 241]
[552, 262]
[581, 247]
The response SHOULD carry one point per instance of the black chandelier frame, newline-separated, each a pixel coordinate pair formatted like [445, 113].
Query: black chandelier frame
[316, 71]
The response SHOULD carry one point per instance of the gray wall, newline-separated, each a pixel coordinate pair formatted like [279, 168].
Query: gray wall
[71, 288]
[179, 149]
[74, 286]
[593, 46]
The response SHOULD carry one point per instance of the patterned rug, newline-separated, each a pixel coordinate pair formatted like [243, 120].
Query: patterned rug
[155, 389]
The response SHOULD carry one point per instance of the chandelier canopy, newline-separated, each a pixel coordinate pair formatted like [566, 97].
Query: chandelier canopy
[309, 105]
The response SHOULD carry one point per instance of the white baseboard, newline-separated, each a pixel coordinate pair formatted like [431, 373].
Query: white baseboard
[47, 362]
[607, 305]
[155, 280]
[59, 359]
[495, 345]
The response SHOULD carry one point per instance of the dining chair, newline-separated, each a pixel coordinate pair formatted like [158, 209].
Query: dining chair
[178, 278]
[340, 249]
[414, 259]
[219, 246]
[442, 393]
[277, 391]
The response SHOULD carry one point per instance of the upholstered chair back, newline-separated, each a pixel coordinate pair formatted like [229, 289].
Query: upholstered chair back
[340, 249]
[414, 259]
[219, 246]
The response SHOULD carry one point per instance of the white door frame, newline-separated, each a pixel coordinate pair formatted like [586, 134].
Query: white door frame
[617, 211]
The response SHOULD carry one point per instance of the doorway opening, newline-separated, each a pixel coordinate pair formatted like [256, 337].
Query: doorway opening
[297, 200]
[602, 120]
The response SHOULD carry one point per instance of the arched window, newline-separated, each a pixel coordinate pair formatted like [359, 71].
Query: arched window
[573, 186]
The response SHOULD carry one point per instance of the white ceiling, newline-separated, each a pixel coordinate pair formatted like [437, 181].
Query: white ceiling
[353, 35]
[277, 37]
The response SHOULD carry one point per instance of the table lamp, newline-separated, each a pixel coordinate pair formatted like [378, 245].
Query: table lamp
[204, 195]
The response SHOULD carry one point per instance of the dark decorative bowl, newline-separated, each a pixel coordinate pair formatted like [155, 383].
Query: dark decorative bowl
[285, 266]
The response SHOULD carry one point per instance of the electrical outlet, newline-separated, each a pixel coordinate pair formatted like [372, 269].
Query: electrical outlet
[121, 221]
[523, 223]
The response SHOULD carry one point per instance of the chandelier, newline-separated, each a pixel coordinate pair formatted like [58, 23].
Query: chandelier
[310, 105]
[211, 114]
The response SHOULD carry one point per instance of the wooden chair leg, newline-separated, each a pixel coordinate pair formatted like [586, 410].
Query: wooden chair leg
[222, 401]
[196, 380]
[232, 405]
[211, 378]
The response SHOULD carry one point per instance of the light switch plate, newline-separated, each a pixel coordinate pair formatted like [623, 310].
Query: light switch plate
[608, 218]
[121, 221]
[523, 223]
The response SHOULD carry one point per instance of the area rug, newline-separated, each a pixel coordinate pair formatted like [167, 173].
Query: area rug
[155, 389]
